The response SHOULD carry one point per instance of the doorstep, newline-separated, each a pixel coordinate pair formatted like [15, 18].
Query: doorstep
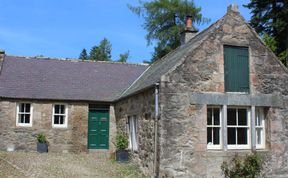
[101, 154]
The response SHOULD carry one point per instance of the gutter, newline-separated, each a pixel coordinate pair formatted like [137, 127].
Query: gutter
[156, 119]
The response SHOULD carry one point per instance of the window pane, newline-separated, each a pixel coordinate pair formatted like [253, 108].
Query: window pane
[231, 116]
[216, 136]
[27, 107]
[21, 118]
[27, 118]
[216, 116]
[57, 109]
[62, 109]
[259, 117]
[259, 121]
[242, 136]
[21, 107]
[242, 117]
[61, 119]
[231, 136]
[56, 119]
[209, 135]
[259, 136]
[209, 116]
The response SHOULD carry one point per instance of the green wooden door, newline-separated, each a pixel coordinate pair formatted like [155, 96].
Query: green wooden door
[236, 67]
[98, 129]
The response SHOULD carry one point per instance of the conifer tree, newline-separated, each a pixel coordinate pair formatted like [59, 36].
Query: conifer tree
[83, 55]
[164, 20]
[270, 17]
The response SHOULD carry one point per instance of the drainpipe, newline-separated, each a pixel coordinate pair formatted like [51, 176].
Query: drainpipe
[155, 174]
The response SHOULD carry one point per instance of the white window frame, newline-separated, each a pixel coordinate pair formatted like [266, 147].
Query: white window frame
[18, 112]
[259, 115]
[241, 146]
[132, 127]
[65, 125]
[212, 146]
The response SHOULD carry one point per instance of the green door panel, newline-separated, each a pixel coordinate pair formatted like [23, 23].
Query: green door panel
[236, 67]
[98, 129]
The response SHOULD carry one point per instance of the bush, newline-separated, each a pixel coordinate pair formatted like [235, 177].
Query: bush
[248, 167]
[121, 141]
[41, 138]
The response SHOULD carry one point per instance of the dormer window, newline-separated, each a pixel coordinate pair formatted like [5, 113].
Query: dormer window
[236, 69]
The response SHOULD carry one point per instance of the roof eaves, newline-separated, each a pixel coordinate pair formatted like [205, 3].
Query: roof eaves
[58, 99]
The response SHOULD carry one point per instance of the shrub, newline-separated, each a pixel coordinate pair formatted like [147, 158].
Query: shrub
[248, 167]
[121, 141]
[41, 138]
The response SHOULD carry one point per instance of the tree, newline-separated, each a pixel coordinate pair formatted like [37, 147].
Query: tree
[164, 20]
[271, 17]
[101, 52]
[123, 57]
[94, 53]
[83, 55]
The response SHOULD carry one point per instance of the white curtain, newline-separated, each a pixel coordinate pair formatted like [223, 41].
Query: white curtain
[132, 121]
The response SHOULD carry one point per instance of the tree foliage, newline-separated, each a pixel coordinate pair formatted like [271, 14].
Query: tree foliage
[271, 17]
[83, 55]
[102, 52]
[164, 20]
[124, 57]
[238, 167]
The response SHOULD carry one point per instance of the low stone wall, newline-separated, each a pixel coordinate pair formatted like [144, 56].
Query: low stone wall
[141, 105]
[71, 139]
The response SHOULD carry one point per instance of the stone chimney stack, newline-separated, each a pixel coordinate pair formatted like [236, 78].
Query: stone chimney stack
[189, 31]
[233, 8]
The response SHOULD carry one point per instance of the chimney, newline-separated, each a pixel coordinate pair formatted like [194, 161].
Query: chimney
[189, 31]
[233, 8]
[2, 55]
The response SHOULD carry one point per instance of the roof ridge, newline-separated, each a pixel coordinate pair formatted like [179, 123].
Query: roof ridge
[76, 60]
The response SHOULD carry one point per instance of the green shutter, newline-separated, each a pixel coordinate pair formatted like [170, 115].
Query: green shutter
[236, 67]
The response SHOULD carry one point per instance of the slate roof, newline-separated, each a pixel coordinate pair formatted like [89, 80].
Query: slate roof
[160, 67]
[37, 78]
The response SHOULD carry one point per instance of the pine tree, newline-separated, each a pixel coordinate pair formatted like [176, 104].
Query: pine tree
[94, 53]
[83, 55]
[102, 52]
[164, 20]
[105, 49]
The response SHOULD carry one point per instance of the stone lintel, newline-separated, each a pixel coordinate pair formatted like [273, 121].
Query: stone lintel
[237, 99]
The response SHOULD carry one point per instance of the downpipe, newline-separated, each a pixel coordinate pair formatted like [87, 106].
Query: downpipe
[155, 167]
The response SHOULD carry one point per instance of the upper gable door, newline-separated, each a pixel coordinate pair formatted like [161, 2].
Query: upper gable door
[236, 68]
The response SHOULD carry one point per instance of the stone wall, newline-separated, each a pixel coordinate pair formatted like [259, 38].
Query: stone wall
[71, 139]
[141, 105]
[183, 135]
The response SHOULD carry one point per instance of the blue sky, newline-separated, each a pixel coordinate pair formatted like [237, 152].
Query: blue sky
[62, 28]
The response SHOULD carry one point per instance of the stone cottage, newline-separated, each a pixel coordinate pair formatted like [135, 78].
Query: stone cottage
[68, 100]
[221, 93]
